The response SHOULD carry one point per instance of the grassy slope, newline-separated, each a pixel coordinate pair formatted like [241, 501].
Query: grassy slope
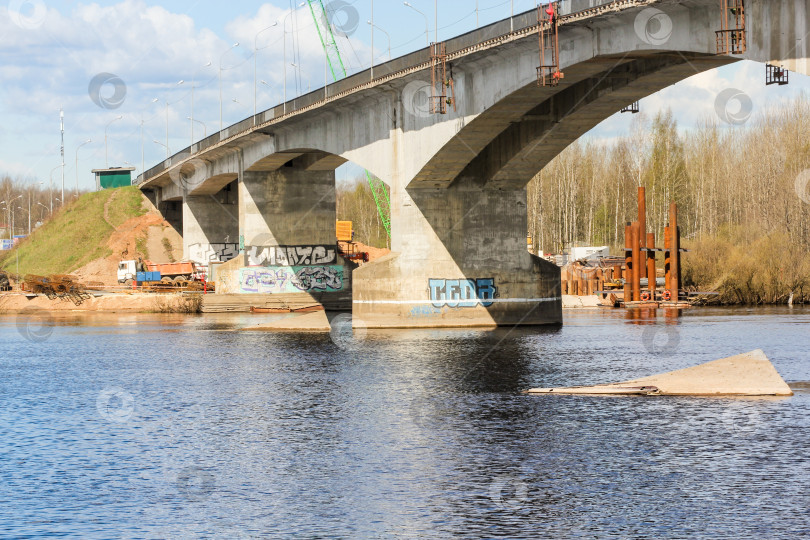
[75, 235]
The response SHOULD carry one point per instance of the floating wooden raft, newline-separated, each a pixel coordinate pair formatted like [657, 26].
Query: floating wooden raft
[749, 374]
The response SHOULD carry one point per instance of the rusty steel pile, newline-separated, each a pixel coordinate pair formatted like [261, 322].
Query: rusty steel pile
[631, 281]
[57, 286]
[640, 261]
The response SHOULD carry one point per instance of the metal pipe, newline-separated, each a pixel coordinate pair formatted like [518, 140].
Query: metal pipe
[678, 255]
[675, 270]
[667, 259]
[642, 223]
[628, 263]
[651, 276]
[636, 262]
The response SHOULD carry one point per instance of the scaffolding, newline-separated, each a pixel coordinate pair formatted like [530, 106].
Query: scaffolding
[548, 72]
[731, 36]
[439, 81]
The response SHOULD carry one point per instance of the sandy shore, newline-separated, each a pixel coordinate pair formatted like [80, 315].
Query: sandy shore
[123, 302]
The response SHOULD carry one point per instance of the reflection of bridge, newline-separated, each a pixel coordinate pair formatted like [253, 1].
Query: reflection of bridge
[457, 181]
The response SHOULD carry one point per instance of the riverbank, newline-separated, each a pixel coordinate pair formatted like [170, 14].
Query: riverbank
[16, 302]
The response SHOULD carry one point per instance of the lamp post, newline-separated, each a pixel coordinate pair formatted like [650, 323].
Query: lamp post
[284, 25]
[302, 74]
[192, 101]
[372, 39]
[167, 120]
[46, 209]
[10, 213]
[220, 81]
[205, 128]
[88, 141]
[161, 144]
[50, 196]
[106, 161]
[427, 25]
[512, 16]
[62, 147]
[143, 161]
[256, 68]
[29, 210]
[384, 32]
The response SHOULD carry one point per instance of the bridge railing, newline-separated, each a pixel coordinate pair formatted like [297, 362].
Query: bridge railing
[409, 61]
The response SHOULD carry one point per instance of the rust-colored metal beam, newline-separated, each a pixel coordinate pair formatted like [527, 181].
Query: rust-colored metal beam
[636, 258]
[651, 265]
[628, 262]
[642, 225]
[675, 255]
[667, 259]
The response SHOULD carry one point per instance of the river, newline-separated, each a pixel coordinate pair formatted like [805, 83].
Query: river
[170, 426]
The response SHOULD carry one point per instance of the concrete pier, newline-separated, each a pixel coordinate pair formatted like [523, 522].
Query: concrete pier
[211, 225]
[459, 260]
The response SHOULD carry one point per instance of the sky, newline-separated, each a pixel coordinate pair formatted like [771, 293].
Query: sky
[115, 68]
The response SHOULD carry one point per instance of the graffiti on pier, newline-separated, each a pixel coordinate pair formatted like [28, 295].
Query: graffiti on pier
[296, 279]
[206, 253]
[462, 293]
[291, 255]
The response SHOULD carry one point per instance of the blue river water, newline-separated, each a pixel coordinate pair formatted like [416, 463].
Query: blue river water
[169, 426]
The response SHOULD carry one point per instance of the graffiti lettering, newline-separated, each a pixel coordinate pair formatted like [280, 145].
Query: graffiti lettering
[206, 253]
[274, 280]
[291, 255]
[462, 293]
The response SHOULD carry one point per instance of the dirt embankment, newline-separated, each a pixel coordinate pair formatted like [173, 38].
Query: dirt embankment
[146, 236]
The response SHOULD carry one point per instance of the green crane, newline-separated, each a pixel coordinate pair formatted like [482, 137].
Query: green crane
[338, 70]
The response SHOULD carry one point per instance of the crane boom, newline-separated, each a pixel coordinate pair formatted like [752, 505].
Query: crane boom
[338, 70]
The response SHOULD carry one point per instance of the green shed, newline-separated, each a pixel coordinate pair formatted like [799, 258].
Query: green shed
[114, 177]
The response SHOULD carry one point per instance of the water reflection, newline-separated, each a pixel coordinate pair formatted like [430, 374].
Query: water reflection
[175, 426]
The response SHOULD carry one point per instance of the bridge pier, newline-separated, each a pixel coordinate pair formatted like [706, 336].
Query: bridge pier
[460, 260]
[290, 206]
[287, 220]
[211, 226]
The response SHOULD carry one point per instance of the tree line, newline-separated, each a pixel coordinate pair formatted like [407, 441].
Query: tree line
[742, 193]
[21, 200]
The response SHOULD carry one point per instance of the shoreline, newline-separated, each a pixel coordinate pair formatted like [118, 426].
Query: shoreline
[16, 302]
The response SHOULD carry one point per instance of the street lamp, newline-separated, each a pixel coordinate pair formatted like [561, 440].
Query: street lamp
[192, 101]
[29, 210]
[205, 128]
[384, 32]
[220, 81]
[302, 74]
[106, 161]
[88, 141]
[51, 186]
[143, 161]
[284, 25]
[10, 213]
[46, 209]
[167, 120]
[161, 144]
[255, 69]
[427, 25]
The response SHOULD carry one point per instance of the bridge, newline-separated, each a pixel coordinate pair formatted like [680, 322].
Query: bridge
[263, 190]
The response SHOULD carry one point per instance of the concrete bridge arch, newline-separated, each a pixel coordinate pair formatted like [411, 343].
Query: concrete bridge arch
[458, 180]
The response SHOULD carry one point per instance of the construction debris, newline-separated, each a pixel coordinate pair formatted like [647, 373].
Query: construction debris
[750, 374]
[57, 286]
